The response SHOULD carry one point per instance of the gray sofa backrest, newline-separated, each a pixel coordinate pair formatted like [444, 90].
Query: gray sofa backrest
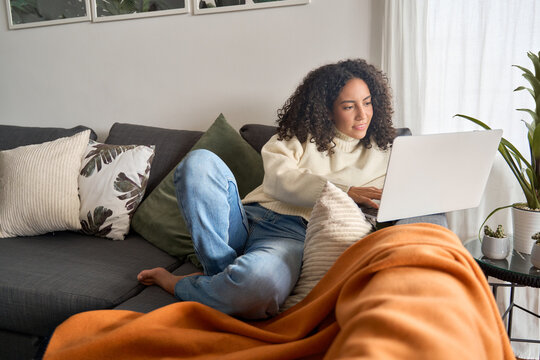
[15, 136]
[257, 135]
[171, 146]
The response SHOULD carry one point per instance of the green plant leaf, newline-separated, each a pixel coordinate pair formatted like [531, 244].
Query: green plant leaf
[538, 106]
[487, 218]
[530, 126]
[530, 112]
[535, 83]
[535, 144]
[536, 63]
[530, 130]
[514, 151]
[530, 194]
[476, 121]
[530, 175]
[525, 88]
[524, 69]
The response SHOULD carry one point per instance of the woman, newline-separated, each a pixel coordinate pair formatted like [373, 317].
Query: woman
[335, 127]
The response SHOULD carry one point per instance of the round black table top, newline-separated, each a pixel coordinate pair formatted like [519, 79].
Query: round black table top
[516, 268]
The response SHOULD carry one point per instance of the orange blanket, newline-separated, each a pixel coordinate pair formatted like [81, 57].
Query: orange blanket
[404, 292]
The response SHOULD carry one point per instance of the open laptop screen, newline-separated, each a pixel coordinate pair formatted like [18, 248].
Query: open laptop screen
[429, 174]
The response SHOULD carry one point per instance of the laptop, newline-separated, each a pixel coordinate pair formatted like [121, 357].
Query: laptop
[429, 174]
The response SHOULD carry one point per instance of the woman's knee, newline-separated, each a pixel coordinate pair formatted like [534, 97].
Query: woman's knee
[196, 167]
[258, 302]
[261, 292]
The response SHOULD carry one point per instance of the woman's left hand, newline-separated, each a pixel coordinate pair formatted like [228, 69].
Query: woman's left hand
[365, 195]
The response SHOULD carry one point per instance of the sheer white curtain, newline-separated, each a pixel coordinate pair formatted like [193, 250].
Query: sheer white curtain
[448, 57]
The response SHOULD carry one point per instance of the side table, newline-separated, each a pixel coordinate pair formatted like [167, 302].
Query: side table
[516, 270]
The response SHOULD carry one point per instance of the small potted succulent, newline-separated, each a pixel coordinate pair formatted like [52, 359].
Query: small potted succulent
[535, 251]
[495, 244]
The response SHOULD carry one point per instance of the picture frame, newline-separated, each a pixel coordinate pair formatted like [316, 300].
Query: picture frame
[112, 10]
[33, 13]
[218, 6]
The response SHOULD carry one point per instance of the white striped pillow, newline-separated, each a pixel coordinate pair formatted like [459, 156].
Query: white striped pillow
[336, 223]
[39, 186]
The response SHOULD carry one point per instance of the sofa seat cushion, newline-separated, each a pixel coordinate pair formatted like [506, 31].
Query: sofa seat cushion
[154, 297]
[15, 346]
[48, 278]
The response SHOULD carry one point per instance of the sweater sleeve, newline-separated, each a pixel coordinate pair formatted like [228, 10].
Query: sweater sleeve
[284, 180]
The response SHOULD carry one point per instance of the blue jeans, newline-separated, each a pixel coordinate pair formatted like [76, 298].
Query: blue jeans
[251, 256]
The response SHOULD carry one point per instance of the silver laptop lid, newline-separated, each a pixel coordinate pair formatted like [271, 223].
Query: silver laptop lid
[429, 174]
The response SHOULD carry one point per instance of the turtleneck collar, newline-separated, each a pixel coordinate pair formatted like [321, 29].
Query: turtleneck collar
[344, 142]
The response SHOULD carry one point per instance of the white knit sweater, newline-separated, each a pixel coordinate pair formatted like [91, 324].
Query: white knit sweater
[295, 172]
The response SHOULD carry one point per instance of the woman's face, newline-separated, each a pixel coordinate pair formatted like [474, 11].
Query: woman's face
[352, 111]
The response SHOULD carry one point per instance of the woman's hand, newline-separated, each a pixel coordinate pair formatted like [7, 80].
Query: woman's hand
[365, 195]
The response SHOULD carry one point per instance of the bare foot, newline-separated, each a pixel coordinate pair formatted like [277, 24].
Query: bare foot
[161, 277]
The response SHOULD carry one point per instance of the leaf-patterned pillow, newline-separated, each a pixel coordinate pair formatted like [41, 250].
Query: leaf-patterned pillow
[112, 182]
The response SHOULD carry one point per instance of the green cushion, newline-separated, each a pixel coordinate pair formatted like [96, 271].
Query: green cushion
[158, 218]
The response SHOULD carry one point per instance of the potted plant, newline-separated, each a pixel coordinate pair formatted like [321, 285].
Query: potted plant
[495, 244]
[526, 216]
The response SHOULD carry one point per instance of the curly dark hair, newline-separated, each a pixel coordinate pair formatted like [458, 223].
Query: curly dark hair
[308, 110]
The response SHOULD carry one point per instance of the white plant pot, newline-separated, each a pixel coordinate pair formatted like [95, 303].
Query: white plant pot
[495, 248]
[535, 255]
[526, 223]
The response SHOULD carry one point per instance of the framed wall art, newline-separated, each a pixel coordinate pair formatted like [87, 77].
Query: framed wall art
[216, 6]
[108, 10]
[32, 13]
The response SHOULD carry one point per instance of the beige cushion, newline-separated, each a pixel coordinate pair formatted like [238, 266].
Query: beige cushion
[336, 223]
[39, 186]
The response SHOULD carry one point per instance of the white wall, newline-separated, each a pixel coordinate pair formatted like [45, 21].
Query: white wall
[177, 71]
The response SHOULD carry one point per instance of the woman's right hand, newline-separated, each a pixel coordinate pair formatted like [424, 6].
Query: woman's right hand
[365, 195]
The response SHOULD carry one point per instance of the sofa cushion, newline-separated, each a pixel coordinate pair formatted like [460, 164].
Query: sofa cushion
[15, 346]
[170, 146]
[112, 182]
[336, 223]
[15, 136]
[53, 276]
[158, 218]
[257, 135]
[154, 297]
[39, 187]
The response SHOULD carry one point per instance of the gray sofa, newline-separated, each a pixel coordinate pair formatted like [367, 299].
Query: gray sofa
[47, 278]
